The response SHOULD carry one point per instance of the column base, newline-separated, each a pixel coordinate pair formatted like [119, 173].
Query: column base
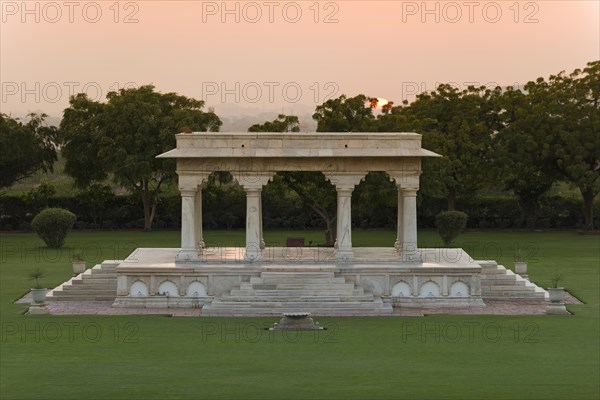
[253, 254]
[187, 255]
[411, 256]
[344, 255]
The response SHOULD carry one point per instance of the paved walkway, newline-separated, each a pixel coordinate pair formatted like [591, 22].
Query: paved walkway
[493, 307]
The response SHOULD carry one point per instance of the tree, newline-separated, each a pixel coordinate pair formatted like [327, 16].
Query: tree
[450, 224]
[311, 188]
[283, 123]
[572, 105]
[53, 226]
[344, 114]
[459, 125]
[519, 151]
[25, 149]
[122, 137]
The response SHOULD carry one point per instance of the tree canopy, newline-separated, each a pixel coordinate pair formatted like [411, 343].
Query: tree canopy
[571, 104]
[25, 148]
[345, 114]
[283, 123]
[122, 137]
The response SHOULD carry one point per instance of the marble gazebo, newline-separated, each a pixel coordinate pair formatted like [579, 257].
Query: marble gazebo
[257, 279]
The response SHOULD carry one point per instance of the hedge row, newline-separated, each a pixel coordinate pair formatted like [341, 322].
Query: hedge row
[224, 208]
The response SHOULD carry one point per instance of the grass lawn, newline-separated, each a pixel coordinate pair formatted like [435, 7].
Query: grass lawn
[435, 357]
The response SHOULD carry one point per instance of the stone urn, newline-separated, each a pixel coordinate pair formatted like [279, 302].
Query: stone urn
[39, 295]
[78, 267]
[521, 267]
[556, 295]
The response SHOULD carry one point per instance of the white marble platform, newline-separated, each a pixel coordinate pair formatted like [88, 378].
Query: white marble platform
[364, 256]
[152, 277]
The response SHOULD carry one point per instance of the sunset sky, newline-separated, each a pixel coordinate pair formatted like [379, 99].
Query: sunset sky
[244, 57]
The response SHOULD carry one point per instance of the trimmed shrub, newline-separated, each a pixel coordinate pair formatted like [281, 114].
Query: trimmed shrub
[450, 224]
[53, 225]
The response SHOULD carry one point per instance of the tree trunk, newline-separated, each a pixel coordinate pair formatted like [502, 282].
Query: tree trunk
[451, 199]
[330, 220]
[147, 219]
[149, 209]
[588, 200]
[330, 231]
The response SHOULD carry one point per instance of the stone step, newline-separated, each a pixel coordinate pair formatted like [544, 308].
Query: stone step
[499, 283]
[100, 270]
[92, 281]
[249, 312]
[309, 289]
[320, 285]
[275, 298]
[502, 282]
[514, 288]
[316, 286]
[492, 271]
[234, 306]
[295, 280]
[487, 263]
[498, 294]
[85, 298]
[89, 288]
[90, 292]
[314, 312]
[96, 284]
[284, 298]
[298, 292]
[290, 272]
[297, 275]
[305, 292]
[282, 290]
[304, 268]
[501, 276]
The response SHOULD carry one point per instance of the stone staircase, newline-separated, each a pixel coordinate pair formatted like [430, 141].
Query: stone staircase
[499, 283]
[297, 289]
[95, 284]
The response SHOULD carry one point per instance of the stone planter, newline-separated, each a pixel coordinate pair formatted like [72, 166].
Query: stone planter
[39, 295]
[521, 268]
[556, 295]
[78, 267]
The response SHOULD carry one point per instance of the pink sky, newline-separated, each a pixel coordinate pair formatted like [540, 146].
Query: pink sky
[388, 49]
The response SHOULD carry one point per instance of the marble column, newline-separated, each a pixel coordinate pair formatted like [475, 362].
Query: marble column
[344, 184]
[344, 223]
[260, 218]
[409, 224]
[188, 250]
[253, 223]
[252, 182]
[400, 223]
[198, 219]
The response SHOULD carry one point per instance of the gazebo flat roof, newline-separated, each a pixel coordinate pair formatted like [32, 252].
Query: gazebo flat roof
[297, 145]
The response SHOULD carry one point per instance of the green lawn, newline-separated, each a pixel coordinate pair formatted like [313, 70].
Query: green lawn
[152, 357]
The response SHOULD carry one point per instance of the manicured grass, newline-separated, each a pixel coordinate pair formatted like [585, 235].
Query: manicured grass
[442, 356]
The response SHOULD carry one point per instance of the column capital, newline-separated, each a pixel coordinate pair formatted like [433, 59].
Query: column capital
[187, 192]
[252, 180]
[409, 192]
[344, 191]
[191, 180]
[253, 191]
[405, 179]
[344, 180]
